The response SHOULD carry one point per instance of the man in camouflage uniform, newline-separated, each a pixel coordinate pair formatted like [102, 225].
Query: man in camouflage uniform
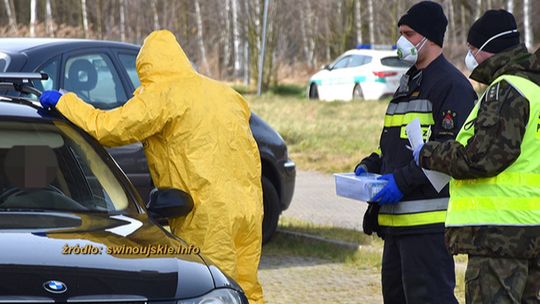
[499, 229]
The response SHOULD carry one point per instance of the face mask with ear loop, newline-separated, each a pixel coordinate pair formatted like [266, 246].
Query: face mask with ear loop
[407, 51]
[470, 59]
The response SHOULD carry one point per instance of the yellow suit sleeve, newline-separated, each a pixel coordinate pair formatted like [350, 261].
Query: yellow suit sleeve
[139, 118]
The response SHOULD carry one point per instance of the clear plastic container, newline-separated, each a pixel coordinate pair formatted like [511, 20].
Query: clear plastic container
[362, 188]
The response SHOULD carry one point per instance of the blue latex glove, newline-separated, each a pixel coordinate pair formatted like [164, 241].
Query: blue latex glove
[360, 169]
[390, 194]
[49, 99]
[416, 154]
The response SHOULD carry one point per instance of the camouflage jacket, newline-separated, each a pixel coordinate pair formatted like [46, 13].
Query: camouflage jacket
[499, 129]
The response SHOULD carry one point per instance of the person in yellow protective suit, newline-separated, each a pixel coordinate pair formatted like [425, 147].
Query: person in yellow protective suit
[196, 137]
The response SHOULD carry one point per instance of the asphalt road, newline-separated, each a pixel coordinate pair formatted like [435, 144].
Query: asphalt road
[315, 201]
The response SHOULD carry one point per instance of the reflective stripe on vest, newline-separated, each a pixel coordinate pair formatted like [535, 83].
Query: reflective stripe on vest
[402, 113]
[511, 198]
[413, 213]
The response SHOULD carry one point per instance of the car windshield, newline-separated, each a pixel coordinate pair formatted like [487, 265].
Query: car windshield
[50, 166]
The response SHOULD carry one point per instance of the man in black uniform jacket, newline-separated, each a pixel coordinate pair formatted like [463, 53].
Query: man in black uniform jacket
[408, 212]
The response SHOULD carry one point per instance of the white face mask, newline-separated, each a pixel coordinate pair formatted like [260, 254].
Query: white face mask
[407, 51]
[470, 59]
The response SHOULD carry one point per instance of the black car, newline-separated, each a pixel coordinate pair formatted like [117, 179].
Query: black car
[73, 229]
[103, 73]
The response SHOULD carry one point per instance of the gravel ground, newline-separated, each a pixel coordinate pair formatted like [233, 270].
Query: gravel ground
[293, 279]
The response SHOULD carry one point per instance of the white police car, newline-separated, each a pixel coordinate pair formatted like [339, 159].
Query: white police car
[358, 74]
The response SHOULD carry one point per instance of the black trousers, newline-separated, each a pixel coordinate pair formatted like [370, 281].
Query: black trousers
[417, 269]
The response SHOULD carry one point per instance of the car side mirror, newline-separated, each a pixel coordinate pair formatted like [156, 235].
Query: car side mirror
[326, 67]
[168, 202]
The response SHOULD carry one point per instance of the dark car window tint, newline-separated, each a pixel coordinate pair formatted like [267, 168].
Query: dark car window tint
[51, 68]
[394, 62]
[94, 79]
[53, 167]
[341, 63]
[128, 62]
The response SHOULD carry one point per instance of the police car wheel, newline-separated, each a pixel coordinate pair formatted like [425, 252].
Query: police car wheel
[313, 91]
[357, 92]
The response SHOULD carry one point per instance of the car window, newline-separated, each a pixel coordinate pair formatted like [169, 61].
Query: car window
[341, 63]
[94, 79]
[128, 62]
[51, 68]
[52, 167]
[394, 62]
[358, 60]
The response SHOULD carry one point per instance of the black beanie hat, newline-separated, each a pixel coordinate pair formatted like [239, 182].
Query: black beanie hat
[494, 22]
[426, 18]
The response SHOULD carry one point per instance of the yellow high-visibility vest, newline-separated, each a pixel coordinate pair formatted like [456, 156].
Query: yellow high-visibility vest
[511, 198]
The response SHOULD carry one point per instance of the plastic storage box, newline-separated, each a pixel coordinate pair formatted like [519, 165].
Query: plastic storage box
[362, 188]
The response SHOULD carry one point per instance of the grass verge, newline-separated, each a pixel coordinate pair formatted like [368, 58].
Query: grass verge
[323, 136]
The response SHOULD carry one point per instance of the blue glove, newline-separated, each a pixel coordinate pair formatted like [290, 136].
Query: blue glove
[390, 194]
[416, 154]
[359, 170]
[49, 99]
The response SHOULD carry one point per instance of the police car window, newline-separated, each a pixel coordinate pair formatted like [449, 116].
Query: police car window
[341, 63]
[94, 79]
[358, 60]
[51, 68]
[394, 62]
[128, 62]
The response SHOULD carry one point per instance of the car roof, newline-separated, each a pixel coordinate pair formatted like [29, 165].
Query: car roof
[374, 53]
[18, 45]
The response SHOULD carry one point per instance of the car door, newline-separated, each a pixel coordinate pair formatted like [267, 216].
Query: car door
[332, 85]
[99, 79]
[355, 73]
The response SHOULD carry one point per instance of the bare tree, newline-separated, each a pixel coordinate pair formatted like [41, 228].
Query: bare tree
[33, 13]
[11, 15]
[510, 6]
[371, 22]
[49, 23]
[478, 9]
[155, 14]
[236, 38]
[122, 20]
[358, 19]
[527, 24]
[227, 35]
[84, 18]
[200, 38]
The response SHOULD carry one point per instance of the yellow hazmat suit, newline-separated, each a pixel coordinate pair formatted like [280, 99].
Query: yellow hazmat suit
[196, 137]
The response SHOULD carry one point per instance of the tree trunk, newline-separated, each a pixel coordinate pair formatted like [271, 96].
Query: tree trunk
[236, 39]
[49, 27]
[33, 13]
[478, 12]
[452, 21]
[155, 13]
[358, 19]
[122, 20]
[11, 16]
[510, 6]
[99, 11]
[463, 23]
[371, 22]
[84, 18]
[527, 26]
[246, 62]
[227, 35]
[200, 39]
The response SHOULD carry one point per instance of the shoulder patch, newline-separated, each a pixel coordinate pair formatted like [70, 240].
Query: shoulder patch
[447, 122]
[493, 93]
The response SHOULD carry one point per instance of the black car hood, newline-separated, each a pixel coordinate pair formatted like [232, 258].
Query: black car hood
[40, 247]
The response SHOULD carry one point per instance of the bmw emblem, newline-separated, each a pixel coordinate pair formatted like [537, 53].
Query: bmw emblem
[55, 286]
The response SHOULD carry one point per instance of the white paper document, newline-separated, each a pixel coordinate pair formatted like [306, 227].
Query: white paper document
[414, 133]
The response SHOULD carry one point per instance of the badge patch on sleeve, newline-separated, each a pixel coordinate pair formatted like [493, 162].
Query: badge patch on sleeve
[448, 120]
